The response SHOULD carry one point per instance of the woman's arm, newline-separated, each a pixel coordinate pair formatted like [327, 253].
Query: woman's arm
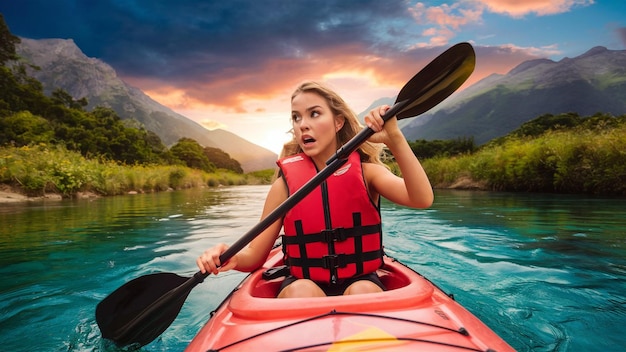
[413, 189]
[253, 255]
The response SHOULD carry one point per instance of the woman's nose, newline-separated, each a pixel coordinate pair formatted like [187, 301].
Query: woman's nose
[304, 124]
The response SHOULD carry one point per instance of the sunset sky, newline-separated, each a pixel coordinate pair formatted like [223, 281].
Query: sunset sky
[234, 64]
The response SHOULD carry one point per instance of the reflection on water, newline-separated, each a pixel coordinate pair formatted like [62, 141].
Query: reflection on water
[546, 272]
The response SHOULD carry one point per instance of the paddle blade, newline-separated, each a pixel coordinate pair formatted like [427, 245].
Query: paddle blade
[139, 311]
[435, 82]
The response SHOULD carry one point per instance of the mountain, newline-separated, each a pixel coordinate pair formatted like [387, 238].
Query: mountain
[63, 65]
[496, 105]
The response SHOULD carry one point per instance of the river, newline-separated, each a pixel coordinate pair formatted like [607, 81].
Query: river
[546, 272]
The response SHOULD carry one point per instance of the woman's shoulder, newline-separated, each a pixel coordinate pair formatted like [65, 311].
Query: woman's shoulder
[279, 186]
[372, 170]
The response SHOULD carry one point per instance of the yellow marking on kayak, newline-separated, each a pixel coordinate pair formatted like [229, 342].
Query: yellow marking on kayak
[366, 340]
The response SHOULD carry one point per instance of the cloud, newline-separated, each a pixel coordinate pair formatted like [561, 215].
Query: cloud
[517, 9]
[231, 89]
[349, 69]
[451, 16]
[230, 56]
[446, 20]
[212, 125]
[199, 37]
[225, 53]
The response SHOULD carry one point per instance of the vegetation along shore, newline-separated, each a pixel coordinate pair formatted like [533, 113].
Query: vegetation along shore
[560, 154]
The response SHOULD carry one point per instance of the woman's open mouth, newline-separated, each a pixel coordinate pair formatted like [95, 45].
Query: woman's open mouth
[308, 140]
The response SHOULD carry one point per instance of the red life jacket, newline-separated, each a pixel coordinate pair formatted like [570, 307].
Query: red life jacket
[335, 232]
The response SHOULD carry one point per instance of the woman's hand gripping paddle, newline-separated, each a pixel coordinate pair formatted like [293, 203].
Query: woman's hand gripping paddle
[140, 310]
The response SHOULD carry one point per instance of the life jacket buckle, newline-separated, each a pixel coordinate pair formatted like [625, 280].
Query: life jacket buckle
[334, 261]
[275, 272]
[334, 235]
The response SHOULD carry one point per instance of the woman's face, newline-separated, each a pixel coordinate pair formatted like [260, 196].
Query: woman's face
[314, 125]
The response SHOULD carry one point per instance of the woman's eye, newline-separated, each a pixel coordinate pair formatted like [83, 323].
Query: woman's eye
[315, 113]
[296, 118]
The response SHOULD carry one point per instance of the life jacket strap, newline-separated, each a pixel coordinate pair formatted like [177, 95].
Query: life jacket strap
[338, 234]
[335, 260]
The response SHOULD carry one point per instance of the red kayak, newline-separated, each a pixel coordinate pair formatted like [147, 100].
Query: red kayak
[412, 315]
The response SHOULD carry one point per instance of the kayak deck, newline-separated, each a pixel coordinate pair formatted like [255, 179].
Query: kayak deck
[411, 314]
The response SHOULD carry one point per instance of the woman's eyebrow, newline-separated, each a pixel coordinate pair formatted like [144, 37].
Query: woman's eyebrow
[313, 107]
[307, 109]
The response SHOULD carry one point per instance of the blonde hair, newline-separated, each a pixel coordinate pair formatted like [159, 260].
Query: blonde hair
[369, 152]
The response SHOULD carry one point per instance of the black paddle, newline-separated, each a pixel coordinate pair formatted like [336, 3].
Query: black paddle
[139, 311]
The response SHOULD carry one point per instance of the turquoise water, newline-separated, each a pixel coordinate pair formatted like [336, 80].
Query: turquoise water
[546, 272]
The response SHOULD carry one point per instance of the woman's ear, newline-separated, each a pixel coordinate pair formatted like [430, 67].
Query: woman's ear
[339, 121]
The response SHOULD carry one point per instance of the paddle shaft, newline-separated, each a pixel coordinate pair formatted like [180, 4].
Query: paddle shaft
[429, 98]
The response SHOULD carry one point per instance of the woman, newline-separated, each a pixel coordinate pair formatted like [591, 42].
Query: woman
[332, 241]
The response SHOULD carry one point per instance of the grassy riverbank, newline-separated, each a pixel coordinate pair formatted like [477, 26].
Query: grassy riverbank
[581, 161]
[43, 169]
[576, 160]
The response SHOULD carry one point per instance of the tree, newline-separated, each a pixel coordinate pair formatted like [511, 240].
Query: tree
[19, 92]
[192, 154]
[424, 149]
[222, 160]
[7, 43]
[547, 122]
[60, 96]
[24, 128]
